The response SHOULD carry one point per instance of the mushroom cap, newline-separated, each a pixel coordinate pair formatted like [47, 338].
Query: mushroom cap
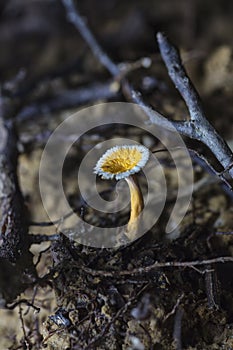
[120, 162]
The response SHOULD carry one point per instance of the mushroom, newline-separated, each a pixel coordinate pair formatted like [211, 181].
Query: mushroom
[123, 162]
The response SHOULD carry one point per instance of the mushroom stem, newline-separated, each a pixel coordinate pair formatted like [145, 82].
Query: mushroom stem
[137, 204]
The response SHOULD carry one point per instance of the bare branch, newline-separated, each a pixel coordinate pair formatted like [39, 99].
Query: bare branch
[75, 18]
[68, 99]
[198, 127]
[157, 265]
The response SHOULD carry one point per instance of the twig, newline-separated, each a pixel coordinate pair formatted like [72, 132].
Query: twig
[22, 301]
[51, 223]
[174, 308]
[211, 283]
[150, 345]
[39, 238]
[157, 265]
[198, 127]
[204, 163]
[33, 299]
[220, 149]
[68, 99]
[40, 255]
[26, 342]
[222, 233]
[75, 18]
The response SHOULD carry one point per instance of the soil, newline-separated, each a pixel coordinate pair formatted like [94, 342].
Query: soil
[117, 298]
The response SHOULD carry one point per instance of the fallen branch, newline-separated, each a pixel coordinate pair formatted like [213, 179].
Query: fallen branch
[157, 265]
[16, 261]
[13, 231]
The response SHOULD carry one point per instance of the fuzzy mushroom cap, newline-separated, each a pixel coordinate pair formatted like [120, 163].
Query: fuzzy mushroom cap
[121, 161]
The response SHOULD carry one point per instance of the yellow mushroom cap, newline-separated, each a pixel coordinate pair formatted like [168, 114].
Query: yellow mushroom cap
[122, 161]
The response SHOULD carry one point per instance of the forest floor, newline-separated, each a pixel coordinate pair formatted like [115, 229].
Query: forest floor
[118, 298]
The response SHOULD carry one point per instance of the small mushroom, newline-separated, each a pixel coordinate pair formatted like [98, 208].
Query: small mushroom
[123, 162]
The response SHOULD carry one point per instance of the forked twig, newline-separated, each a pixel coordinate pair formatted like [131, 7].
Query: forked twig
[198, 127]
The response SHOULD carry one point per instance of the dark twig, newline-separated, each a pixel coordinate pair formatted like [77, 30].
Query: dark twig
[205, 164]
[75, 18]
[68, 99]
[40, 255]
[39, 238]
[14, 239]
[22, 301]
[33, 297]
[52, 223]
[13, 231]
[15, 258]
[26, 342]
